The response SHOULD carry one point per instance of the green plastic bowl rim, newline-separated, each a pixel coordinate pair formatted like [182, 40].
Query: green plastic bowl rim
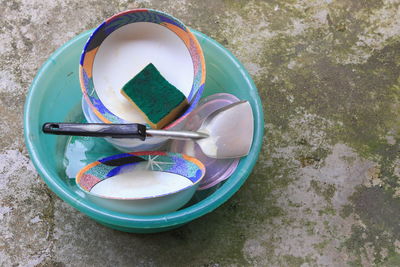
[155, 221]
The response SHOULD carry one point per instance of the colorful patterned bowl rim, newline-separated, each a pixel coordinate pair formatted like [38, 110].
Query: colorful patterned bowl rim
[138, 15]
[102, 169]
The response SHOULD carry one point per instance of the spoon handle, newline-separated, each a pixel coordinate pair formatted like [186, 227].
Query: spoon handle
[178, 135]
[131, 130]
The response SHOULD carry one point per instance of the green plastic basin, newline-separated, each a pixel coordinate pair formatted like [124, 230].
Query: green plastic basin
[55, 93]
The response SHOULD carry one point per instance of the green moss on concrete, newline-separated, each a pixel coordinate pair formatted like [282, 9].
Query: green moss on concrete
[51, 263]
[47, 214]
[362, 238]
[393, 260]
[362, 97]
[346, 211]
[309, 68]
[378, 208]
[310, 226]
[328, 210]
[293, 261]
[327, 191]
[343, 93]
[321, 246]
[379, 213]
[256, 200]
[302, 65]
[309, 156]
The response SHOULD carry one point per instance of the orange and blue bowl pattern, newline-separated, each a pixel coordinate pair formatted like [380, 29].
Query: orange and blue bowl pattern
[155, 203]
[176, 163]
[132, 16]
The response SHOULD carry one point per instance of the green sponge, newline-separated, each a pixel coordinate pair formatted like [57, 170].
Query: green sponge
[159, 101]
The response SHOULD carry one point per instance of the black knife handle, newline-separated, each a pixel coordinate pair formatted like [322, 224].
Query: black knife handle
[130, 130]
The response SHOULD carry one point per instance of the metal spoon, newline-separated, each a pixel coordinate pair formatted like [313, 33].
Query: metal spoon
[225, 133]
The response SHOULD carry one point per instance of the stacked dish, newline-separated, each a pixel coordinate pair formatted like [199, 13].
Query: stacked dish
[225, 74]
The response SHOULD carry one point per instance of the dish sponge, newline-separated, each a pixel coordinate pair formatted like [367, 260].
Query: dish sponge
[152, 95]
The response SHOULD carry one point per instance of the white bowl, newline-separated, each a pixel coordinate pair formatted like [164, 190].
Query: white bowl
[142, 183]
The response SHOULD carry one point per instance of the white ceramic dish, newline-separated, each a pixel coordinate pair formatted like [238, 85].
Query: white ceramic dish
[126, 51]
[123, 45]
[119, 49]
[142, 183]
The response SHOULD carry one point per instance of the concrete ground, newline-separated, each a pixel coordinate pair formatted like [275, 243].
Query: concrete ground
[326, 188]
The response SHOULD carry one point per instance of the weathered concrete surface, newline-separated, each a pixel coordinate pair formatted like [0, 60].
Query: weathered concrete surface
[326, 189]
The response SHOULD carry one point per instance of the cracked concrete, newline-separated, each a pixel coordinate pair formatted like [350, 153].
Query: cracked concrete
[326, 188]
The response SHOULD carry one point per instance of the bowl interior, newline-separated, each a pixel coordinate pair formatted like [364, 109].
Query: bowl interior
[58, 82]
[141, 43]
[127, 42]
[143, 163]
